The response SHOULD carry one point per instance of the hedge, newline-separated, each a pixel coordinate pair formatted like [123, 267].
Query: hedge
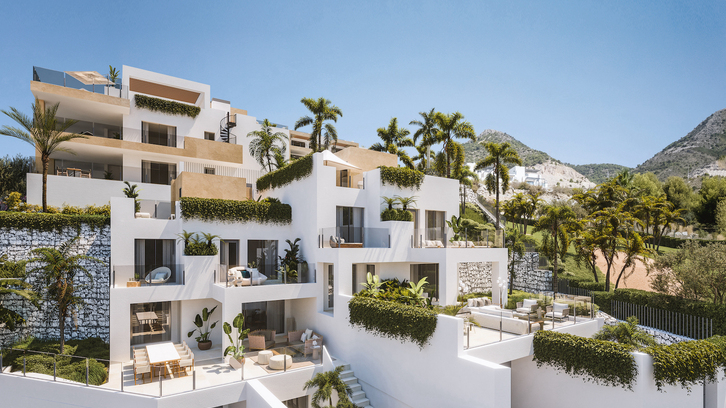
[164, 106]
[51, 222]
[667, 302]
[585, 284]
[200, 249]
[671, 242]
[216, 209]
[687, 363]
[396, 214]
[393, 320]
[599, 361]
[403, 177]
[296, 170]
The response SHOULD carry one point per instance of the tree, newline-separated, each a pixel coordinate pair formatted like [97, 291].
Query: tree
[647, 184]
[394, 140]
[264, 147]
[693, 272]
[498, 158]
[12, 283]
[43, 131]
[466, 178]
[327, 382]
[449, 127]
[531, 208]
[59, 271]
[586, 250]
[679, 193]
[516, 244]
[13, 174]
[713, 190]
[427, 133]
[323, 133]
[721, 216]
[558, 221]
[626, 333]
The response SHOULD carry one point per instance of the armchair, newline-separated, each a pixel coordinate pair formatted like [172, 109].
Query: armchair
[558, 311]
[261, 339]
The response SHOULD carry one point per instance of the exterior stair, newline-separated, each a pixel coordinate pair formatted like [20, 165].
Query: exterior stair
[358, 396]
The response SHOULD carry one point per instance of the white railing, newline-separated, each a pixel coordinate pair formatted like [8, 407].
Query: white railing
[206, 168]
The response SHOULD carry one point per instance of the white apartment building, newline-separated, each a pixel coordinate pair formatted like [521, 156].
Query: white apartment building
[172, 156]
[519, 174]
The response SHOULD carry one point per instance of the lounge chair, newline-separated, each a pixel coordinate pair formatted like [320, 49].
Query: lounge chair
[158, 276]
[527, 306]
[261, 339]
[241, 276]
[335, 242]
[559, 311]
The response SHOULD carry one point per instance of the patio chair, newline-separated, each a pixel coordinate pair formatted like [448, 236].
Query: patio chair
[527, 306]
[261, 339]
[558, 311]
[314, 341]
[158, 276]
[240, 276]
[186, 363]
[142, 368]
[293, 337]
[335, 242]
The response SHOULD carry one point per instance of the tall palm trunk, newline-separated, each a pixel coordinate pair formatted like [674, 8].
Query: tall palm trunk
[498, 228]
[554, 262]
[46, 162]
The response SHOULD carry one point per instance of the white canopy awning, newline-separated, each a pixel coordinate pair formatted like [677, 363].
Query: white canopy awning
[330, 159]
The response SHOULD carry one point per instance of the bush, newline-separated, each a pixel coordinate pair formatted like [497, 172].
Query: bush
[396, 214]
[296, 170]
[687, 363]
[393, 320]
[600, 361]
[671, 242]
[200, 249]
[403, 177]
[51, 222]
[216, 209]
[164, 106]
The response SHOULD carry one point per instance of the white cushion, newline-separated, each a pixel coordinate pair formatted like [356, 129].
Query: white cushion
[315, 337]
[559, 307]
[438, 244]
[303, 337]
[308, 332]
[454, 244]
[471, 302]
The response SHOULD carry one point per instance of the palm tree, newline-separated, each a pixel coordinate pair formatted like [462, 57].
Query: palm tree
[500, 156]
[557, 222]
[394, 139]
[427, 133]
[466, 178]
[12, 283]
[452, 126]
[132, 191]
[59, 269]
[322, 134]
[43, 131]
[516, 244]
[264, 147]
[327, 382]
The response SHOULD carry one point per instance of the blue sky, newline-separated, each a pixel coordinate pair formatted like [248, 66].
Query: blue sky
[585, 81]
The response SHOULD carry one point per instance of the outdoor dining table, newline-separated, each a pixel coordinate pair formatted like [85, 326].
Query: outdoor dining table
[161, 355]
[147, 317]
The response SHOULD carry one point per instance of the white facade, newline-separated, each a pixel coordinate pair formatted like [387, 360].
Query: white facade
[519, 174]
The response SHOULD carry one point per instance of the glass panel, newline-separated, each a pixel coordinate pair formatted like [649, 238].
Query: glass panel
[155, 253]
[265, 316]
[158, 134]
[264, 255]
[150, 322]
[330, 289]
[431, 273]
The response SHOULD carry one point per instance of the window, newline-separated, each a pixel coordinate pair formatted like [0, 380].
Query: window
[209, 135]
[344, 179]
[431, 273]
[264, 255]
[264, 315]
[360, 275]
[229, 253]
[330, 289]
[435, 225]
[155, 253]
[209, 170]
[349, 223]
[297, 143]
[150, 322]
[154, 133]
[157, 173]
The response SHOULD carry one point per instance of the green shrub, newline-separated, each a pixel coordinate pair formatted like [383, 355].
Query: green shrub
[464, 298]
[602, 362]
[71, 210]
[100, 210]
[296, 170]
[51, 222]
[164, 106]
[396, 214]
[586, 284]
[216, 209]
[687, 363]
[603, 300]
[403, 177]
[393, 320]
[200, 249]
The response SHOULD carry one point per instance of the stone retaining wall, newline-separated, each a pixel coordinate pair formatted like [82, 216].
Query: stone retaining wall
[475, 277]
[93, 319]
[528, 277]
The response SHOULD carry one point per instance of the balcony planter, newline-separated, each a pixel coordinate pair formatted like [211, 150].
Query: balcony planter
[204, 345]
[237, 363]
[133, 284]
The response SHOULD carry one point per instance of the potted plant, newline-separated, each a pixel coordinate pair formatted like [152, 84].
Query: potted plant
[202, 323]
[236, 349]
[133, 282]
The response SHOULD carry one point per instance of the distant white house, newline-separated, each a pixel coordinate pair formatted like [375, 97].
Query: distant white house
[518, 174]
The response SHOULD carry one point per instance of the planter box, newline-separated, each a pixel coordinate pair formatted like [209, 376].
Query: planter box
[133, 284]
[236, 364]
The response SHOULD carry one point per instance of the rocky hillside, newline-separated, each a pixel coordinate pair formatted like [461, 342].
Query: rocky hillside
[699, 152]
[598, 173]
[475, 151]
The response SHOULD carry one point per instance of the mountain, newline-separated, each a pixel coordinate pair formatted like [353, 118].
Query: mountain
[699, 152]
[598, 173]
[474, 151]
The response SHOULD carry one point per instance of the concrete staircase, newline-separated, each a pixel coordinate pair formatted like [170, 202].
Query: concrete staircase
[358, 395]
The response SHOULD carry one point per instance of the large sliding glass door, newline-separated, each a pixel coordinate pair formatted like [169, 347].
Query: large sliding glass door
[154, 253]
[263, 253]
[265, 315]
[158, 173]
[435, 222]
[150, 322]
[431, 273]
[349, 222]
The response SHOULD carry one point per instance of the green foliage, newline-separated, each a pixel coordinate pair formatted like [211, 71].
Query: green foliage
[203, 327]
[216, 209]
[164, 106]
[475, 151]
[598, 173]
[12, 284]
[327, 382]
[402, 177]
[626, 333]
[396, 214]
[464, 298]
[687, 363]
[393, 320]
[449, 310]
[237, 348]
[200, 249]
[13, 174]
[296, 170]
[713, 190]
[585, 284]
[51, 222]
[73, 369]
[600, 361]
[130, 191]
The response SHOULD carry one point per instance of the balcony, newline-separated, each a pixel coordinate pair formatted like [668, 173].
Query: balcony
[354, 237]
[241, 276]
[444, 237]
[90, 81]
[135, 276]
